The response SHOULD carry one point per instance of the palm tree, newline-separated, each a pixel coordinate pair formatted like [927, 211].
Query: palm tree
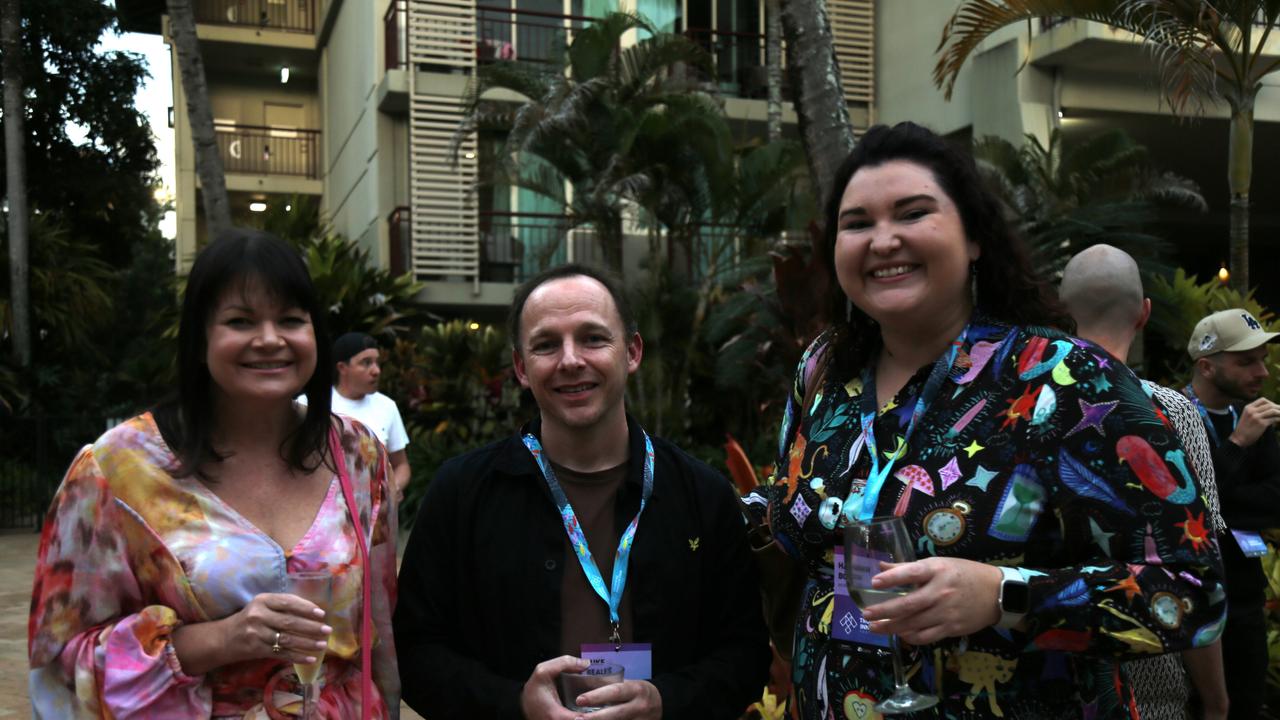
[1206, 49]
[582, 119]
[213, 183]
[16, 183]
[816, 90]
[1070, 195]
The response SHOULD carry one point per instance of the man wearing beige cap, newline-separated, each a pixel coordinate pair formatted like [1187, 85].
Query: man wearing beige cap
[1230, 352]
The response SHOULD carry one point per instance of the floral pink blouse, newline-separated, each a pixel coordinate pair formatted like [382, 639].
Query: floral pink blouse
[129, 552]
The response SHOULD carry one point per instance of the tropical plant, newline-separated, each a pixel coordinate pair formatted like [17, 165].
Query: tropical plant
[453, 383]
[1073, 194]
[582, 118]
[1179, 302]
[1207, 50]
[70, 290]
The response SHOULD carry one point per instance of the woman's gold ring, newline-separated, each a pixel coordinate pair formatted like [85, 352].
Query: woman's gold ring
[275, 648]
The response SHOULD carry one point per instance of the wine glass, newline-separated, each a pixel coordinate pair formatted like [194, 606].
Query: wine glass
[866, 545]
[316, 586]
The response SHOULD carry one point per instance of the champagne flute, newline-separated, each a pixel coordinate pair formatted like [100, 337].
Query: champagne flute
[316, 586]
[866, 545]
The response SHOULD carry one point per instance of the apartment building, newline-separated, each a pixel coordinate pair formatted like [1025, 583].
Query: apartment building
[1084, 77]
[356, 102]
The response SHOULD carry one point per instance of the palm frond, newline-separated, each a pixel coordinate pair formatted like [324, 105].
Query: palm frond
[975, 20]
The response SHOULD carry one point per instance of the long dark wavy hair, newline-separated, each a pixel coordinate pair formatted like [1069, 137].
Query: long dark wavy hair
[231, 262]
[1008, 288]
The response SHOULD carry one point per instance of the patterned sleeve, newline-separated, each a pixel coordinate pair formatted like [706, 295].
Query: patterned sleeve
[98, 647]
[806, 370]
[1190, 428]
[1134, 569]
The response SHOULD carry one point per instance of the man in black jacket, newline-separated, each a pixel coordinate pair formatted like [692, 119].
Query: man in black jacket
[580, 537]
[1230, 351]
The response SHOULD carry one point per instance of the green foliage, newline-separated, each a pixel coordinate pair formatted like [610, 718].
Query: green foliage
[595, 120]
[100, 187]
[1070, 195]
[1178, 303]
[360, 296]
[453, 383]
[70, 287]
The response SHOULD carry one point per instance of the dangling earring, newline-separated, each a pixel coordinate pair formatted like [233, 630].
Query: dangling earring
[848, 310]
[973, 283]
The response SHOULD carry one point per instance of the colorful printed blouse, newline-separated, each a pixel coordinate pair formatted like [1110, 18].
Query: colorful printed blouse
[129, 552]
[1040, 452]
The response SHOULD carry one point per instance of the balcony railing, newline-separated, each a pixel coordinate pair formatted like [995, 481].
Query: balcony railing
[504, 33]
[737, 60]
[517, 246]
[287, 15]
[395, 25]
[401, 239]
[254, 150]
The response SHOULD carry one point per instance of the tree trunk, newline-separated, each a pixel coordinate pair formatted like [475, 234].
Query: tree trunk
[213, 183]
[816, 91]
[15, 177]
[609, 233]
[1239, 175]
[773, 66]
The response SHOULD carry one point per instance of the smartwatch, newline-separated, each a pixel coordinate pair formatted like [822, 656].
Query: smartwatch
[1014, 598]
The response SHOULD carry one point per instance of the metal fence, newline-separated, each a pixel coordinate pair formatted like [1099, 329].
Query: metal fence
[287, 15]
[737, 61]
[255, 150]
[504, 33]
[34, 454]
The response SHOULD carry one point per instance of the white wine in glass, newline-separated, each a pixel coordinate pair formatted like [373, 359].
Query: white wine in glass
[866, 545]
[316, 586]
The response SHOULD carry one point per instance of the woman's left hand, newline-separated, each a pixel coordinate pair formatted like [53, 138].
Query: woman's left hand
[952, 597]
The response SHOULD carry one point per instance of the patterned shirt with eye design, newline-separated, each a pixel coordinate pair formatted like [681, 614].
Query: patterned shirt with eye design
[1040, 452]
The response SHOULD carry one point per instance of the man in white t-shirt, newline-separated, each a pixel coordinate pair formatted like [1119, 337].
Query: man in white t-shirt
[355, 394]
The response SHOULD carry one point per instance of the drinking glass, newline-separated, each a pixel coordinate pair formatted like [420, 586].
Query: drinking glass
[316, 586]
[866, 545]
[597, 675]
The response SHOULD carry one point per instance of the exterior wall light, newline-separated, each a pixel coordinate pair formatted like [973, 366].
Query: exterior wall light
[284, 74]
[257, 207]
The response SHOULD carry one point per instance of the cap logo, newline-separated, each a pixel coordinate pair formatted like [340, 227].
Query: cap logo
[1208, 341]
[1248, 320]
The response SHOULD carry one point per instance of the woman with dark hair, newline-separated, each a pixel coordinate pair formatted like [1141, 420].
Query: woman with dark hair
[161, 587]
[1057, 526]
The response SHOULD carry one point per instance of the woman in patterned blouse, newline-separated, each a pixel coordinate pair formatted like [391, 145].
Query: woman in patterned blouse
[1032, 457]
[161, 584]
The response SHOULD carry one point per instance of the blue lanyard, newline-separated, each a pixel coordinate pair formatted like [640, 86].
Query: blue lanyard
[1190, 392]
[864, 509]
[613, 597]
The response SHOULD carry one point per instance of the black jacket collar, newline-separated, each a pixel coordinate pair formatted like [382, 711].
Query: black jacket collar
[514, 457]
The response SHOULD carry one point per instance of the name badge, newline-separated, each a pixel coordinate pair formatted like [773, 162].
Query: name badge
[635, 658]
[847, 622]
[1251, 543]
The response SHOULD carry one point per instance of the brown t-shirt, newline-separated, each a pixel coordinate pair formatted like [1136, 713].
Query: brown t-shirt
[584, 616]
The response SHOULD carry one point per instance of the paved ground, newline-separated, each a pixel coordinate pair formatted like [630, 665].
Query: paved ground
[17, 560]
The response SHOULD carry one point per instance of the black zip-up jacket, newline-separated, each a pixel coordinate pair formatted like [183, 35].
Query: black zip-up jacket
[1249, 492]
[479, 598]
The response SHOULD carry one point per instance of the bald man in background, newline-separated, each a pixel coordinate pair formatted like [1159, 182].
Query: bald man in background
[1102, 289]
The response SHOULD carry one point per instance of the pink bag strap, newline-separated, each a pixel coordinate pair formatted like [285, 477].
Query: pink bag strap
[366, 609]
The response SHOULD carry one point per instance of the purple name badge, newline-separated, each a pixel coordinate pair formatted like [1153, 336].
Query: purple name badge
[636, 658]
[847, 622]
[1251, 543]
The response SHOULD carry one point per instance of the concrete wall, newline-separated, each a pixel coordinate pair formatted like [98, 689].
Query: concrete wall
[990, 97]
[366, 153]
